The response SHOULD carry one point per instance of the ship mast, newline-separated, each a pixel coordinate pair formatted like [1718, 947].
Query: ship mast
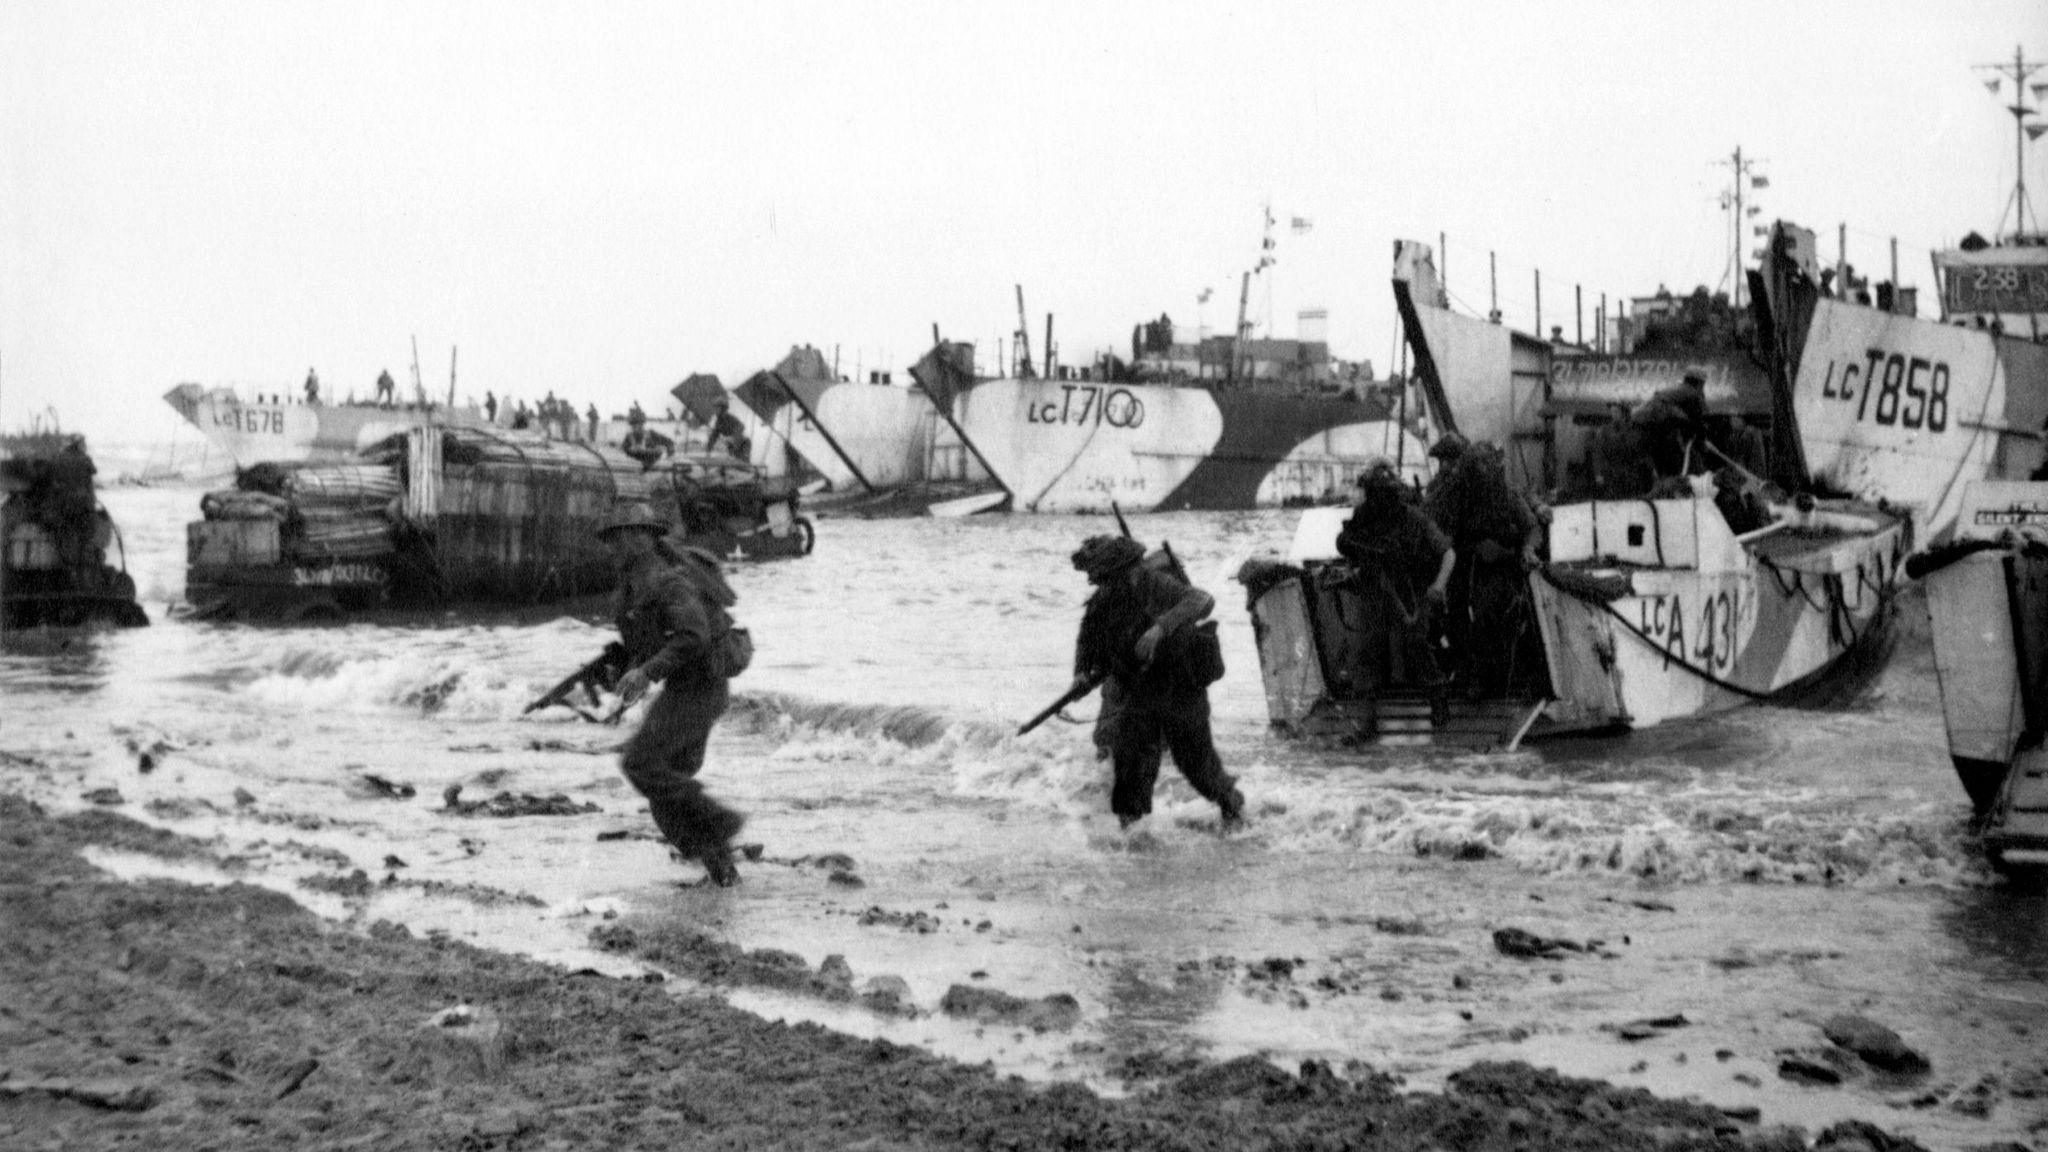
[1732, 201]
[2022, 131]
[1266, 260]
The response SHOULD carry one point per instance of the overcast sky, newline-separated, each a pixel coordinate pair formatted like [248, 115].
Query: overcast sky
[599, 199]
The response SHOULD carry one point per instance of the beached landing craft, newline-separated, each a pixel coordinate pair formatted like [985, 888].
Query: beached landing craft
[1648, 611]
[1890, 406]
[1856, 399]
[266, 429]
[1987, 597]
[54, 572]
[442, 515]
[872, 439]
[1096, 436]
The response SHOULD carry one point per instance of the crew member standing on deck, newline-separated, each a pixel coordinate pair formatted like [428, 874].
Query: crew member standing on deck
[312, 388]
[1673, 424]
[642, 445]
[387, 389]
[1137, 630]
[674, 623]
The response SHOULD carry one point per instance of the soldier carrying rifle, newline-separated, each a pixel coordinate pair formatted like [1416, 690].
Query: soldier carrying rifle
[1140, 640]
[677, 632]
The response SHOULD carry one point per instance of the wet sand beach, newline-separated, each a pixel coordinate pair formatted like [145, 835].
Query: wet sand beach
[175, 1016]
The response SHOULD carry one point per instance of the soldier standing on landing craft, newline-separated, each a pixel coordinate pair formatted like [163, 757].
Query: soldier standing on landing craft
[1136, 631]
[673, 622]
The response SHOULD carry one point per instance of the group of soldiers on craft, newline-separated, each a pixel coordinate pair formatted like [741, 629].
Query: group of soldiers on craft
[558, 419]
[1437, 577]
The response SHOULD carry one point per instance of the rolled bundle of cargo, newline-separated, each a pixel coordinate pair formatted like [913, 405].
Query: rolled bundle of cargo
[349, 486]
[274, 479]
[238, 504]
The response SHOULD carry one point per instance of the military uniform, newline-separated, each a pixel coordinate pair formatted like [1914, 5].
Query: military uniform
[727, 427]
[645, 446]
[1397, 552]
[1490, 525]
[669, 618]
[1156, 706]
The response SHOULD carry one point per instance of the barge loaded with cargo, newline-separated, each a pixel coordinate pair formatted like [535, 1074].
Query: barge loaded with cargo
[441, 515]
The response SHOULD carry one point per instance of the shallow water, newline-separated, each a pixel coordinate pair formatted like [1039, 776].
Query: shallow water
[1813, 860]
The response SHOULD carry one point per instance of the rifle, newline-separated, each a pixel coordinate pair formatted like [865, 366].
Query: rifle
[1066, 698]
[599, 673]
[1165, 547]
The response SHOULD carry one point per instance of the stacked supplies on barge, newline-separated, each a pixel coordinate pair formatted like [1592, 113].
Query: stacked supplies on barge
[433, 516]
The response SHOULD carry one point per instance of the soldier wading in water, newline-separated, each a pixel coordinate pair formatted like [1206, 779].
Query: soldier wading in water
[1139, 632]
[674, 625]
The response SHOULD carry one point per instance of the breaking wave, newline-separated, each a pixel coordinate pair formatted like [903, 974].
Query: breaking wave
[909, 725]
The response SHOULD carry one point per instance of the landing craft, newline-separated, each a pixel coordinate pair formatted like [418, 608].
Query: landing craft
[1643, 610]
[1892, 407]
[266, 428]
[1110, 434]
[270, 428]
[874, 446]
[56, 536]
[442, 515]
[1987, 598]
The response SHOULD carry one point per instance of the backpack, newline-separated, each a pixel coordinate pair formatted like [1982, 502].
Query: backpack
[731, 649]
[1195, 653]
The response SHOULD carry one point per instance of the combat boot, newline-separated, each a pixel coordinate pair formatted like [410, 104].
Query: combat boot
[719, 867]
[1233, 810]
